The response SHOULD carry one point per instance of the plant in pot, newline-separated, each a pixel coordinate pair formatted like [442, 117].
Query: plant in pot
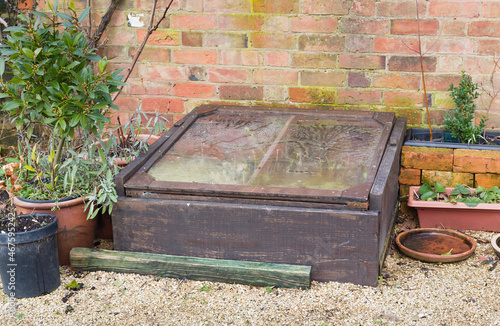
[460, 130]
[54, 87]
[460, 208]
[29, 264]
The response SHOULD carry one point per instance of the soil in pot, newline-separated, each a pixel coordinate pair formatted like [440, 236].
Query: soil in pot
[75, 230]
[29, 264]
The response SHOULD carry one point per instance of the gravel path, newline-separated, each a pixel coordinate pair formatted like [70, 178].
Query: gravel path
[409, 293]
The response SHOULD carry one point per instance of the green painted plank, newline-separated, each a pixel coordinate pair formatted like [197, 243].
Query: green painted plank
[201, 269]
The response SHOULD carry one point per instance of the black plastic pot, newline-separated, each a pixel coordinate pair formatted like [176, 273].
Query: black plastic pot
[442, 138]
[29, 264]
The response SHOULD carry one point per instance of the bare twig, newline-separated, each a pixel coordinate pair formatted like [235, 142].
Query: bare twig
[151, 28]
[104, 23]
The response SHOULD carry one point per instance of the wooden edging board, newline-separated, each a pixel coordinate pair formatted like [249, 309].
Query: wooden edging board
[193, 268]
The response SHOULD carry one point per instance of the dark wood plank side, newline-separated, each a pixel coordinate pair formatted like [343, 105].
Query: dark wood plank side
[385, 189]
[339, 245]
[201, 269]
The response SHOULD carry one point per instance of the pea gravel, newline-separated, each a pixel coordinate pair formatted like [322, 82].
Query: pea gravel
[409, 292]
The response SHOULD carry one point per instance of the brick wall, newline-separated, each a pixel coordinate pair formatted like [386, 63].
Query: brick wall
[336, 54]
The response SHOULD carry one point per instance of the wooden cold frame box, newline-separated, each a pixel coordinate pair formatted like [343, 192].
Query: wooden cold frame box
[296, 186]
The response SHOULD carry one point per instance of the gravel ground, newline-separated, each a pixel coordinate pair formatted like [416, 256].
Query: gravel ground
[409, 292]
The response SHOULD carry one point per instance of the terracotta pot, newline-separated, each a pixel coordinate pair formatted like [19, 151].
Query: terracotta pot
[74, 230]
[432, 214]
[495, 243]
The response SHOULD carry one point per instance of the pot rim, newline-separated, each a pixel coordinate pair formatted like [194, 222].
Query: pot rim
[494, 243]
[434, 258]
[33, 235]
[48, 204]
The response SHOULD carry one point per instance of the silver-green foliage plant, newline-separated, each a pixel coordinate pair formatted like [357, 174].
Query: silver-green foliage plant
[460, 120]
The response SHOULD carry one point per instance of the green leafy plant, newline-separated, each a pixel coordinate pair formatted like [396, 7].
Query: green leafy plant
[460, 120]
[459, 194]
[55, 88]
[73, 286]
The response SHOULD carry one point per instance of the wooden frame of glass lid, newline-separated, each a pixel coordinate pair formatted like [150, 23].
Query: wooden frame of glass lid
[293, 155]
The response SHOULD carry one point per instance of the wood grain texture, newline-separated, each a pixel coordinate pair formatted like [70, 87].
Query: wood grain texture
[202, 269]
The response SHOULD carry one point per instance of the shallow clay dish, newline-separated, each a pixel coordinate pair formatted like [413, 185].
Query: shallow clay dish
[436, 245]
[495, 243]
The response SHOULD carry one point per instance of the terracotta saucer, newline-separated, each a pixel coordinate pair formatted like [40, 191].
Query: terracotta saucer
[495, 243]
[436, 245]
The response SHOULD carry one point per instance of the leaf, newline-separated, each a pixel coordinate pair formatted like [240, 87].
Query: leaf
[447, 253]
[28, 53]
[426, 187]
[64, 16]
[2, 65]
[119, 283]
[84, 15]
[428, 195]
[439, 188]
[29, 168]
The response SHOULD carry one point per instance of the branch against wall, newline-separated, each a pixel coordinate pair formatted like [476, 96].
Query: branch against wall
[151, 28]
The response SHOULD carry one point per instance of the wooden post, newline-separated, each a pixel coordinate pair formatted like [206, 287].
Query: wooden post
[202, 269]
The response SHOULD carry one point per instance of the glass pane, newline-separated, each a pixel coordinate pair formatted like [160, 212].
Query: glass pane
[219, 149]
[272, 150]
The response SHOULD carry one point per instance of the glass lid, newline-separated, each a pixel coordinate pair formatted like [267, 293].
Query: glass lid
[264, 152]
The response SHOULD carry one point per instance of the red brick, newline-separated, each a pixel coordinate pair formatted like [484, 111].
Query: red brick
[161, 72]
[322, 78]
[275, 77]
[399, 8]
[356, 43]
[241, 22]
[328, 7]
[151, 87]
[127, 103]
[476, 161]
[114, 51]
[362, 61]
[358, 79]
[411, 64]
[119, 36]
[326, 43]
[363, 7]
[437, 117]
[440, 82]
[427, 158]
[275, 93]
[413, 116]
[123, 116]
[276, 58]
[146, 5]
[195, 90]
[191, 5]
[489, 47]
[226, 40]
[314, 60]
[25, 4]
[311, 24]
[395, 80]
[194, 21]
[193, 56]
[395, 45]
[162, 104]
[275, 24]
[490, 9]
[364, 26]
[152, 54]
[484, 28]
[276, 6]
[311, 95]
[273, 41]
[405, 99]
[486, 180]
[192, 39]
[241, 92]
[454, 28]
[358, 97]
[237, 6]
[460, 46]
[235, 76]
[241, 58]
[454, 9]
[410, 177]
[411, 26]
[160, 37]
[448, 179]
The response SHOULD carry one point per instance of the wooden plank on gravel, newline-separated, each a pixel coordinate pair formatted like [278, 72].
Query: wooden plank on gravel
[193, 268]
